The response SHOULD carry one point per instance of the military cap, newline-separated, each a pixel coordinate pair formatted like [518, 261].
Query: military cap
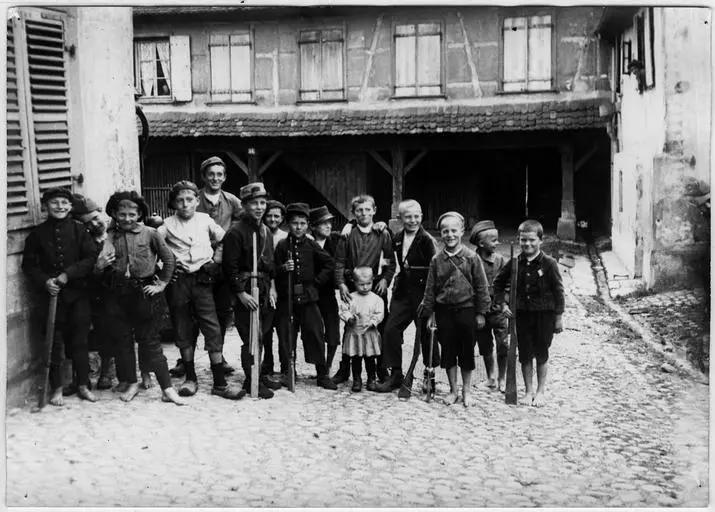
[82, 205]
[252, 191]
[214, 160]
[57, 192]
[456, 215]
[320, 214]
[271, 204]
[294, 209]
[482, 225]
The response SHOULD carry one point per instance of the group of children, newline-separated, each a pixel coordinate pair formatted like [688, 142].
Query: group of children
[118, 281]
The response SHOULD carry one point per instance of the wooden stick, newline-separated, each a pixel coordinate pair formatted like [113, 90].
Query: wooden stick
[405, 391]
[432, 328]
[49, 340]
[291, 362]
[510, 393]
[254, 325]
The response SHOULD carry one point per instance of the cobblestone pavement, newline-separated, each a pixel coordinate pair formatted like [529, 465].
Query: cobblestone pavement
[678, 318]
[616, 432]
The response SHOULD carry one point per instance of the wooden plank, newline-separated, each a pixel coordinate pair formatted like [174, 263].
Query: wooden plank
[376, 156]
[415, 161]
[398, 171]
[264, 167]
[236, 160]
[585, 158]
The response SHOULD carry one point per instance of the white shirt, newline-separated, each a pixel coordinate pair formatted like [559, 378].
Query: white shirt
[278, 235]
[407, 242]
[190, 240]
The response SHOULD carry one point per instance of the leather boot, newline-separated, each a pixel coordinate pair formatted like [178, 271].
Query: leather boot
[343, 373]
[394, 381]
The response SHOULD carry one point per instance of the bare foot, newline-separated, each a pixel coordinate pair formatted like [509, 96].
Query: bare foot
[130, 393]
[170, 395]
[146, 381]
[84, 393]
[121, 387]
[468, 400]
[491, 383]
[502, 385]
[57, 399]
[527, 399]
[452, 398]
[539, 400]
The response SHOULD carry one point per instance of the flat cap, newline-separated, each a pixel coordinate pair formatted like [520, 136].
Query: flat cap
[214, 160]
[271, 204]
[482, 225]
[178, 187]
[82, 205]
[294, 209]
[320, 214]
[57, 192]
[456, 215]
[252, 191]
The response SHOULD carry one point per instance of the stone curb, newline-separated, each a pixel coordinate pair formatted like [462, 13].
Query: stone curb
[640, 329]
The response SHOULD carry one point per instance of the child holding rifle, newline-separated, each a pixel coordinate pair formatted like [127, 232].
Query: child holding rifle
[458, 294]
[538, 305]
[58, 257]
[361, 338]
[486, 237]
[310, 268]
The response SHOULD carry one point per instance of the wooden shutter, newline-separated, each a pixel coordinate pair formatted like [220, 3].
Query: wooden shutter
[19, 182]
[332, 64]
[310, 65]
[539, 58]
[180, 52]
[220, 67]
[514, 54]
[429, 57]
[405, 60]
[48, 96]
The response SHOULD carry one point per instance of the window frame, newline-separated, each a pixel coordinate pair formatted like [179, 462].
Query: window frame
[342, 27]
[526, 13]
[442, 56]
[645, 40]
[137, 68]
[233, 31]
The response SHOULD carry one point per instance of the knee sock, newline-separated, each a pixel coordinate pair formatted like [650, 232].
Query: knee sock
[190, 371]
[356, 363]
[370, 364]
[219, 379]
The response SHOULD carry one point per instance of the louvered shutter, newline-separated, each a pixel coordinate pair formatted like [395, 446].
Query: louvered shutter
[19, 182]
[48, 97]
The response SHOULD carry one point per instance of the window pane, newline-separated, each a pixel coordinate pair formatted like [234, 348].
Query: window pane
[404, 61]
[220, 79]
[540, 53]
[514, 50]
[163, 68]
[240, 68]
[310, 67]
[428, 61]
[332, 65]
[405, 30]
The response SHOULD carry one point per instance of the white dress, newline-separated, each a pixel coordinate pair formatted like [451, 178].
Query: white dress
[362, 338]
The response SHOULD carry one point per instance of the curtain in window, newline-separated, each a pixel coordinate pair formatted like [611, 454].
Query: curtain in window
[147, 67]
[164, 66]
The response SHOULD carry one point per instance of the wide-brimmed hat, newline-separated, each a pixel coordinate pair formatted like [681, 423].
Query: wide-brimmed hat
[482, 225]
[82, 205]
[57, 192]
[252, 191]
[320, 214]
[294, 209]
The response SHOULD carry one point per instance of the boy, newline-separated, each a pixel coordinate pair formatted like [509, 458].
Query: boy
[363, 247]
[135, 293]
[312, 268]
[458, 294]
[273, 219]
[225, 209]
[486, 237]
[321, 226]
[538, 304]
[191, 236]
[58, 256]
[238, 267]
[414, 248]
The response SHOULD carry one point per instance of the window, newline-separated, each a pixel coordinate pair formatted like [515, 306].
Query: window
[527, 54]
[645, 41]
[153, 68]
[38, 150]
[418, 59]
[321, 65]
[231, 67]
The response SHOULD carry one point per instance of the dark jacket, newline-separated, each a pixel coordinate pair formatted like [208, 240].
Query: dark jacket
[538, 288]
[411, 283]
[58, 246]
[238, 256]
[360, 249]
[313, 268]
[331, 247]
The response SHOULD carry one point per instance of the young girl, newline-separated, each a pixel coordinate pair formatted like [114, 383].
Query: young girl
[458, 293]
[361, 339]
[135, 299]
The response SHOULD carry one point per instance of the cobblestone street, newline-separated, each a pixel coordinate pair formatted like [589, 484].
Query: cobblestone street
[616, 432]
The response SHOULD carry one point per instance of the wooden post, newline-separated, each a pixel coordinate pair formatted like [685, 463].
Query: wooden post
[566, 227]
[398, 174]
[253, 166]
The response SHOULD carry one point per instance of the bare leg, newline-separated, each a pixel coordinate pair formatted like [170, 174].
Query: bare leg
[527, 369]
[130, 393]
[489, 366]
[467, 398]
[57, 398]
[541, 371]
[452, 397]
[501, 364]
[146, 380]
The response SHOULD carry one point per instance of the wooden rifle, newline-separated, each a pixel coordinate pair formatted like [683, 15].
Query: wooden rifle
[405, 391]
[510, 393]
[49, 340]
[432, 326]
[254, 325]
[291, 362]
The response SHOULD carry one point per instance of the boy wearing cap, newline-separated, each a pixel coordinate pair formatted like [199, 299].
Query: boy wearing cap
[273, 219]
[458, 294]
[321, 225]
[413, 248]
[195, 238]
[485, 237]
[312, 268]
[58, 256]
[238, 267]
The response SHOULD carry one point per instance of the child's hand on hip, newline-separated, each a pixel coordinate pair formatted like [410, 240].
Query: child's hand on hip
[154, 289]
[558, 324]
[481, 321]
[507, 312]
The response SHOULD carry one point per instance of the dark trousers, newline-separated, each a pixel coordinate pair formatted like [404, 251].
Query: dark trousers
[72, 322]
[535, 331]
[328, 306]
[243, 322]
[307, 320]
[455, 328]
[496, 328]
[403, 311]
[134, 318]
[267, 342]
[191, 300]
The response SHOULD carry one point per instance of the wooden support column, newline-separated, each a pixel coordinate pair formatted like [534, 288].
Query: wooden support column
[566, 227]
[253, 166]
[398, 175]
